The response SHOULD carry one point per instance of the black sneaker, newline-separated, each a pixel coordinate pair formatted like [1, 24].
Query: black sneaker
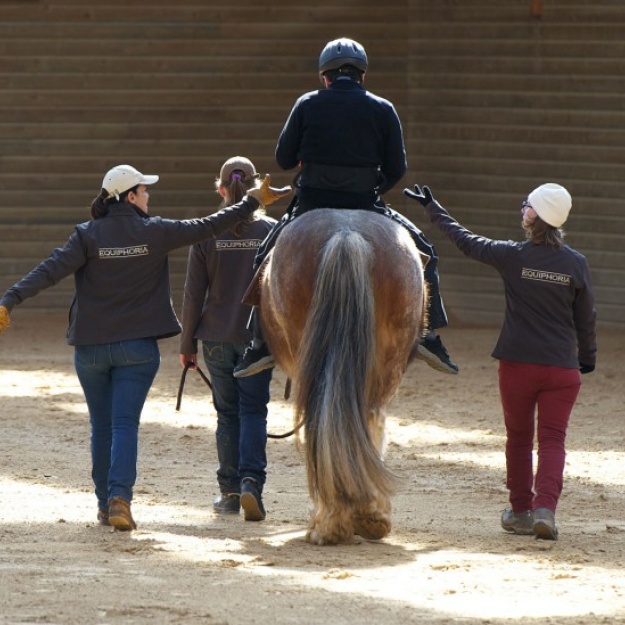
[227, 503]
[434, 353]
[518, 522]
[251, 501]
[545, 524]
[254, 361]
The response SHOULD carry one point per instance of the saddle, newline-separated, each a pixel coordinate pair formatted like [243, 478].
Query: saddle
[251, 297]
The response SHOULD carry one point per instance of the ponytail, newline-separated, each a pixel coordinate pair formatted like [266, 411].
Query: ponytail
[101, 203]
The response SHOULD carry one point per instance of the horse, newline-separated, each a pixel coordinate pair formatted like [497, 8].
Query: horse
[342, 301]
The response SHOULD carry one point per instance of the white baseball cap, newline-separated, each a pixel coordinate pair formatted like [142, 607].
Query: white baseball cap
[552, 202]
[124, 177]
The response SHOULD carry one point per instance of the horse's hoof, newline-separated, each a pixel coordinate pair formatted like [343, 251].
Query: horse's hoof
[313, 537]
[372, 528]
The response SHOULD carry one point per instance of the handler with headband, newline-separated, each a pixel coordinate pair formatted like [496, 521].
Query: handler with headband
[218, 272]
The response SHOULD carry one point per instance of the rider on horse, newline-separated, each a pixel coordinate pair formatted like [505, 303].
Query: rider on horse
[349, 146]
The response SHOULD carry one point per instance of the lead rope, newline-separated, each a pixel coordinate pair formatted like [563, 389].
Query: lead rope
[183, 377]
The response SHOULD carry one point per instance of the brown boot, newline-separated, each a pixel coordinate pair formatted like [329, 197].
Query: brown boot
[103, 516]
[119, 515]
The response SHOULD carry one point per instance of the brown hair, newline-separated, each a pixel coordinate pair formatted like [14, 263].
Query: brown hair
[101, 203]
[541, 233]
[236, 187]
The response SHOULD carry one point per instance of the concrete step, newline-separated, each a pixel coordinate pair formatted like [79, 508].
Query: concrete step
[609, 158]
[526, 30]
[223, 19]
[603, 139]
[470, 47]
[491, 182]
[512, 165]
[139, 149]
[521, 116]
[141, 131]
[545, 99]
[176, 99]
[218, 80]
[280, 43]
[522, 85]
[519, 12]
[152, 114]
[533, 64]
[93, 167]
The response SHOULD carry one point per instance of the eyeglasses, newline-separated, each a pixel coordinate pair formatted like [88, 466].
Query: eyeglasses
[525, 205]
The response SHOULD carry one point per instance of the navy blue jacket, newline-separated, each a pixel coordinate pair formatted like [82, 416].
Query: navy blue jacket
[121, 272]
[219, 272]
[550, 316]
[348, 126]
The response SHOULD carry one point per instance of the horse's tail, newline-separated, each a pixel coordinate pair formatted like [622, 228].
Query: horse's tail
[334, 374]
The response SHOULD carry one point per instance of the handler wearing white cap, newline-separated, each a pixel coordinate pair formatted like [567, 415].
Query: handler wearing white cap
[547, 339]
[551, 202]
[122, 306]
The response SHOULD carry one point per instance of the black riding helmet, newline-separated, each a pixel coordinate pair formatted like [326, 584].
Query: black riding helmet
[342, 52]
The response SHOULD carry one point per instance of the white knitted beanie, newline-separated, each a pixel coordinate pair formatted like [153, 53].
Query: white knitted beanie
[552, 202]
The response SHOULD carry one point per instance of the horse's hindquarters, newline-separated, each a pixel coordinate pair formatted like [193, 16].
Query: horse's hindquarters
[341, 308]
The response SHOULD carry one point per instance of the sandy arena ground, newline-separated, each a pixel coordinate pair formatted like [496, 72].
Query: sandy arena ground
[446, 560]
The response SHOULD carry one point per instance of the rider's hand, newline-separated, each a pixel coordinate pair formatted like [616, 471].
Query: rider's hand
[583, 369]
[423, 195]
[5, 318]
[266, 195]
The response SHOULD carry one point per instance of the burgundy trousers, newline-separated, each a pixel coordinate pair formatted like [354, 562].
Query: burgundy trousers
[536, 398]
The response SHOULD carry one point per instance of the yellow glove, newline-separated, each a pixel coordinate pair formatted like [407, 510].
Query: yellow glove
[266, 195]
[5, 319]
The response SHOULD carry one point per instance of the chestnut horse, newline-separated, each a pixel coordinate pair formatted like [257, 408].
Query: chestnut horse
[341, 307]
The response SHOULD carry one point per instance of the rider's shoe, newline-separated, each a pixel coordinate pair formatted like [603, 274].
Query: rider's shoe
[434, 353]
[254, 361]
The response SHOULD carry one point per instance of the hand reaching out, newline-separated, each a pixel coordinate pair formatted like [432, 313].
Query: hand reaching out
[5, 318]
[423, 195]
[266, 195]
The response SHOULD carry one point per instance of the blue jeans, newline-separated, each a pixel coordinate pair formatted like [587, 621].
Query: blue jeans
[241, 406]
[116, 379]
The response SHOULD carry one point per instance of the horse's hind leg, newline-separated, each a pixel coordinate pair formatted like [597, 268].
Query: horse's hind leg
[331, 526]
[376, 423]
[373, 520]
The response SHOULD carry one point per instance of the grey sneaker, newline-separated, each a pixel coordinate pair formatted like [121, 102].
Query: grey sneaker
[227, 503]
[251, 500]
[518, 522]
[254, 361]
[434, 353]
[545, 524]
